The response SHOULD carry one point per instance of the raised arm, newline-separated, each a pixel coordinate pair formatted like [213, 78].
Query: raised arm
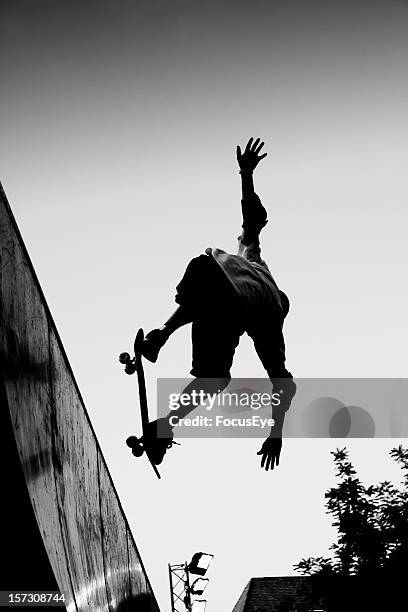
[253, 213]
[248, 161]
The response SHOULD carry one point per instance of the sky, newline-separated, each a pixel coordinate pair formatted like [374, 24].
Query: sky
[119, 122]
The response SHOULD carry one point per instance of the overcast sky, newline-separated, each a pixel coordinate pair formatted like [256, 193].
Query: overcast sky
[119, 122]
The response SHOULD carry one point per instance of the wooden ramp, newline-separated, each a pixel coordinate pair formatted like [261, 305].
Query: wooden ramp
[65, 488]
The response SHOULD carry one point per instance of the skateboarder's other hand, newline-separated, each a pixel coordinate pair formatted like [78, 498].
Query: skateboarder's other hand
[270, 451]
[250, 158]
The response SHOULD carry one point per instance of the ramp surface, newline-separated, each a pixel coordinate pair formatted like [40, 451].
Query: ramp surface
[85, 534]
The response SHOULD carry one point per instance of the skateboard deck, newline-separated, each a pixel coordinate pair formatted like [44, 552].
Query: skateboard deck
[132, 365]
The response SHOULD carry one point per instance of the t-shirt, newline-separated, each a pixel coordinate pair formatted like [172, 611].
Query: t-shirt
[249, 275]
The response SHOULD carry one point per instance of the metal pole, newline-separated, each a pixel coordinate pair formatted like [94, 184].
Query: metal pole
[188, 594]
[171, 589]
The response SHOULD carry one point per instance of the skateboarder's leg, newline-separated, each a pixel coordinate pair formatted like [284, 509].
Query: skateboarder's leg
[157, 338]
[196, 389]
[181, 316]
[203, 284]
[214, 343]
[214, 340]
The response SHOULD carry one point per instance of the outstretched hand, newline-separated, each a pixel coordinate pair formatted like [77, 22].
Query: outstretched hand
[250, 158]
[270, 451]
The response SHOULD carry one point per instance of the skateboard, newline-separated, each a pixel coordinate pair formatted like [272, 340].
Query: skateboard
[132, 365]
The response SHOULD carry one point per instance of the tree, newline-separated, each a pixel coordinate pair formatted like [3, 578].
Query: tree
[372, 526]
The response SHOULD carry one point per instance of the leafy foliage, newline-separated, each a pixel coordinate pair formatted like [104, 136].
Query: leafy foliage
[372, 524]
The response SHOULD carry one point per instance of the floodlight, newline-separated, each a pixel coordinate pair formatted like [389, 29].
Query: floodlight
[199, 605]
[198, 586]
[199, 563]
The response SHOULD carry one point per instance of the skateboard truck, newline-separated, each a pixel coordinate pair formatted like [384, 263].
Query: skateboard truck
[128, 362]
[132, 365]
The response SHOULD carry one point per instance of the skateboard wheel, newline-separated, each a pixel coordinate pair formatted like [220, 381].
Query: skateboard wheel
[124, 358]
[130, 368]
[137, 451]
[132, 441]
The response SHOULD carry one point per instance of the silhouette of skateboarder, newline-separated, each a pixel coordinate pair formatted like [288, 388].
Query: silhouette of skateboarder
[225, 295]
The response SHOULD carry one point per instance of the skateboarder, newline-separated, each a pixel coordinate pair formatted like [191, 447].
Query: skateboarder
[225, 295]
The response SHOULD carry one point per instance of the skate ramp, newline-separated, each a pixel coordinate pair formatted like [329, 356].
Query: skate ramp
[69, 491]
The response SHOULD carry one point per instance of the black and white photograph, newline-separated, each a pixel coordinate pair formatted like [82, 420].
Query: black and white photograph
[203, 304]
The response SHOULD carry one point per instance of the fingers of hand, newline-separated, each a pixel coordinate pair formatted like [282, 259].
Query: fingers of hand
[278, 452]
[248, 145]
[255, 145]
[251, 152]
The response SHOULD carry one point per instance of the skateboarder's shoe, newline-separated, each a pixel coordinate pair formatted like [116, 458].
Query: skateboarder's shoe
[157, 439]
[152, 344]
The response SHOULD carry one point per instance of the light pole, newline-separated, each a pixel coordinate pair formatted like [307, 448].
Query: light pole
[181, 591]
